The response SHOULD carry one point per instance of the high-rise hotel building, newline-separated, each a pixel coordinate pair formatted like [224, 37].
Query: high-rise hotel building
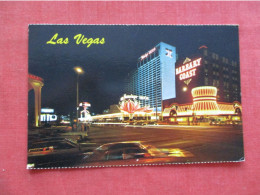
[154, 76]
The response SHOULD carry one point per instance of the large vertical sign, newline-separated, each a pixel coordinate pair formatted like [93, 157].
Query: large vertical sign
[188, 70]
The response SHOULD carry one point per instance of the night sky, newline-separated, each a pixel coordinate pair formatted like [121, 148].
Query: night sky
[106, 65]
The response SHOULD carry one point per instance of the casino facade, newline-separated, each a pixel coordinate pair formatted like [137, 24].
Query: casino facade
[206, 68]
[201, 88]
[207, 88]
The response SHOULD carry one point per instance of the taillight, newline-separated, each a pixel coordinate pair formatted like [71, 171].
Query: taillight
[146, 155]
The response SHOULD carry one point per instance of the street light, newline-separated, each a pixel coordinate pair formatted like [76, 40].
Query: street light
[78, 71]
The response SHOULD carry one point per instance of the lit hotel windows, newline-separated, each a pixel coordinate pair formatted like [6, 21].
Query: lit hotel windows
[226, 86]
[206, 81]
[225, 69]
[155, 71]
[233, 63]
[216, 73]
[226, 77]
[215, 83]
[215, 56]
[234, 72]
[225, 60]
[216, 66]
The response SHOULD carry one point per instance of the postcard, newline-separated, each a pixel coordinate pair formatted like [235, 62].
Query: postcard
[133, 95]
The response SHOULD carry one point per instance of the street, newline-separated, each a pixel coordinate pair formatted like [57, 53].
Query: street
[206, 143]
[201, 143]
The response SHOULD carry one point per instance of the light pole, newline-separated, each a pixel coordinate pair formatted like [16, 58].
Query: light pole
[78, 71]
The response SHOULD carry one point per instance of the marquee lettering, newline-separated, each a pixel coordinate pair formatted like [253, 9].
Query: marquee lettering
[191, 65]
[148, 53]
[187, 74]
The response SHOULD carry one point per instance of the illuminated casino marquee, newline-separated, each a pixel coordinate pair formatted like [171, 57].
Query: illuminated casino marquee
[188, 70]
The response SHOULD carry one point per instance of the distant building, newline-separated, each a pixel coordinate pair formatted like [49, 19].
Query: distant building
[154, 76]
[204, 108]
[65, 119]
[112, 109]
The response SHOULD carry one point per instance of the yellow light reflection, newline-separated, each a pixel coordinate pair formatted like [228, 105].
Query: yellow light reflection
[176, 152]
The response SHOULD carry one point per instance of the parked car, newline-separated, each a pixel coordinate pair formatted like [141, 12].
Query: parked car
[152, 123]
[45, 139]
[221, 123]
[140, 123]
[131, 123]
[53, 153]
[237, 123]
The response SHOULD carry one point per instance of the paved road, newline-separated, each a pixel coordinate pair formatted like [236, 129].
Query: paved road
[206, 143]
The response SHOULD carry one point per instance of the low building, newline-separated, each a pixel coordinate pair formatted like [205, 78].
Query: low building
[205, 108]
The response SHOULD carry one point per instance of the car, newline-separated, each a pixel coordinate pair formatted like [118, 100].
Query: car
[131, 123]
[39, 139]
[129, 152]
[139, 123]
[53, 153]
[119, 151]
[221, 123]
[213, 122]
[237, 123]
[151, 123]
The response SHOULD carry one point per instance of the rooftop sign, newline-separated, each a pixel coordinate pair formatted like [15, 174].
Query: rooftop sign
[47, 110]
[148, 53]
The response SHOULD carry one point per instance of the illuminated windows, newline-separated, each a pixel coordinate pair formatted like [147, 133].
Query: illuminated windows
[155, 75]
[225, 69]
[225, 60]
[206, 81]
[233, 63]
[215, 83]
[215, 56]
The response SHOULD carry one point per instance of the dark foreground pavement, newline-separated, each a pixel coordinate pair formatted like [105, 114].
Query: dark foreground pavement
[206, 143]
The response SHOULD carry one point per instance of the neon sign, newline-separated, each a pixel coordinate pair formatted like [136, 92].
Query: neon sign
[134, 97]
[85, 104]
[47, 110]
[188, 70]
[148, 53]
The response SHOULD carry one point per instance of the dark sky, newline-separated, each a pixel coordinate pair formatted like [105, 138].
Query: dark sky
[106, 65]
